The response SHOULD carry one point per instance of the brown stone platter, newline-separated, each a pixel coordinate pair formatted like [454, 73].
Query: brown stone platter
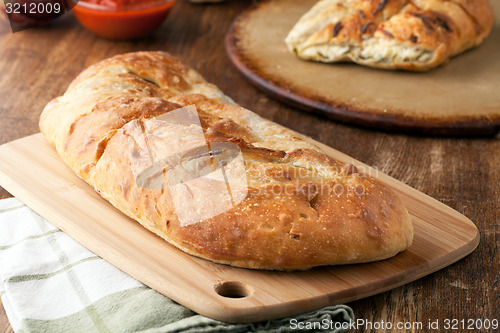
[460, 98]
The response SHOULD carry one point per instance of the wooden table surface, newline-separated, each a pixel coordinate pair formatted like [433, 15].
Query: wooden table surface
[38, 64]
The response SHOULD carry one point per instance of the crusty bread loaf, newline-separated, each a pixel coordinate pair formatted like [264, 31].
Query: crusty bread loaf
[392, 34]
[300, 207]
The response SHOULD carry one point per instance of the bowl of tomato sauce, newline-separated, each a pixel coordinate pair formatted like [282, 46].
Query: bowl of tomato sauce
[122, 19]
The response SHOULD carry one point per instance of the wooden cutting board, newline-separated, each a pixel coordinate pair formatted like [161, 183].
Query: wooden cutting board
[31, 170]
[461, 98]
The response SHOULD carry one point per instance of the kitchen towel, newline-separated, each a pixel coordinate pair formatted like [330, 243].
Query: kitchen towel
[50, 283]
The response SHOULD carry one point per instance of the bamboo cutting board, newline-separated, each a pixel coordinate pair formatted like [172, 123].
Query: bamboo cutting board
[31, 170]
[461, 98]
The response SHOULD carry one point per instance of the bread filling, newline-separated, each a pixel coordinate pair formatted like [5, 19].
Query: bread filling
[370, 51]
[390, 50]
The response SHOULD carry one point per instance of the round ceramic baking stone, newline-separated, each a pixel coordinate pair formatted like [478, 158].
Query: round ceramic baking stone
[460, 98]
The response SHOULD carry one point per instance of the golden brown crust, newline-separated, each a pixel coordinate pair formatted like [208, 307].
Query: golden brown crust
[303, 209]
[392, 34]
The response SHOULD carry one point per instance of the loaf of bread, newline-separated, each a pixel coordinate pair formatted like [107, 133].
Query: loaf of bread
[393, 34]
[215, 180]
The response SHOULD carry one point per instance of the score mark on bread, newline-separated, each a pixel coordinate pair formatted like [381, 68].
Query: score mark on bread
[300, 207]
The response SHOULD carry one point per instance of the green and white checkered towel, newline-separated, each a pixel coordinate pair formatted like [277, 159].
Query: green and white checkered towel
[50, 283]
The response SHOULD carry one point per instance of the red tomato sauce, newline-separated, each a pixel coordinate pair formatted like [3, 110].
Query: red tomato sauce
[122, 18]
[118, 3]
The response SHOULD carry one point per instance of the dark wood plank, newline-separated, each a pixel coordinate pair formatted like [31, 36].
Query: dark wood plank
[38, 64]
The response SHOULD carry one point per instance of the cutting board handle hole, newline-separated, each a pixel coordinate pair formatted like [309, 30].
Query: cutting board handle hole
[233, 289]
